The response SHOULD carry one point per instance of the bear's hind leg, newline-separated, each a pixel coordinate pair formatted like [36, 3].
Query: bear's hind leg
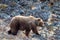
[9, 32]
[14, 32]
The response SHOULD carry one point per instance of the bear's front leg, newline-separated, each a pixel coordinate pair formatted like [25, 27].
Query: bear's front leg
[34, 29]
[27, 31]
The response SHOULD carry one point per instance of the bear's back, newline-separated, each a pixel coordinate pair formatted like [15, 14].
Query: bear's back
[24, 18]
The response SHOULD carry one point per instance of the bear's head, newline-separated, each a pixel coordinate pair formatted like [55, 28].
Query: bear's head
[39, 22]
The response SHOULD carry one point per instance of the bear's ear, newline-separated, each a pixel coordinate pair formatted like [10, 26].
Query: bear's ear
[38, 19]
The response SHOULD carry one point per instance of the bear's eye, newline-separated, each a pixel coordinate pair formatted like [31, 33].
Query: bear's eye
[41, 24]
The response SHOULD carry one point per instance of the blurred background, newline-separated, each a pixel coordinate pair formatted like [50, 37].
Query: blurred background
[48, 10]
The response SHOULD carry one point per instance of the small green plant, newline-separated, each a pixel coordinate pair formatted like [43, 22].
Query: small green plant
[3, 6]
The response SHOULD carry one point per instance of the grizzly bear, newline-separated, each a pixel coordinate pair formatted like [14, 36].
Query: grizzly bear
[26, 23]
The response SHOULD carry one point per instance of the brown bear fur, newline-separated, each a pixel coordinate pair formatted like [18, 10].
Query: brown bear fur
[26, 23]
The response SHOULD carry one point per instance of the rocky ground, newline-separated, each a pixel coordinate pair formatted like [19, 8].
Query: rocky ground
[37, 8]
